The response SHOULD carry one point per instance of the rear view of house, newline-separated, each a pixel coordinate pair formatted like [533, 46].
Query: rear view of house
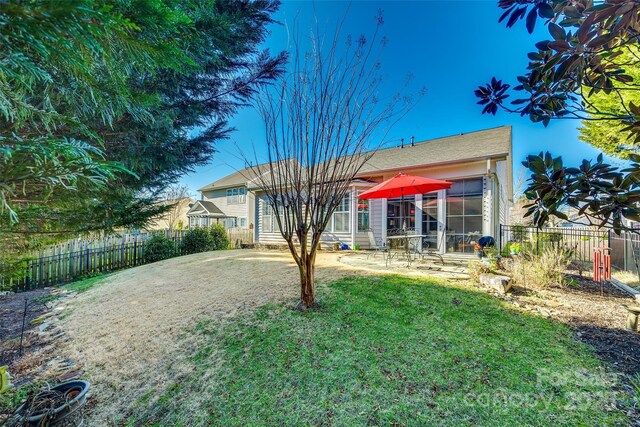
[478, 163]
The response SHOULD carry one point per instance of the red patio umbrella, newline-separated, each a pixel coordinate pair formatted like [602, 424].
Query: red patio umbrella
[404, 185]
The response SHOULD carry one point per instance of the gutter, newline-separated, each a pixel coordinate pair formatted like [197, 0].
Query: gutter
[501, 156]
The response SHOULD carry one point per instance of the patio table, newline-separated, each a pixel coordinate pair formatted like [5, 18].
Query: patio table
[408, 238]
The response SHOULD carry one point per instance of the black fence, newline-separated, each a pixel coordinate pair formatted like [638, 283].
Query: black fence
[580, 242]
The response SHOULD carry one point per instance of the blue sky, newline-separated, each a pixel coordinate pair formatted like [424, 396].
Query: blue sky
[451, 47]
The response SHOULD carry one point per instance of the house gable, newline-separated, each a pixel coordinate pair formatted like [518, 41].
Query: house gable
[205, 208]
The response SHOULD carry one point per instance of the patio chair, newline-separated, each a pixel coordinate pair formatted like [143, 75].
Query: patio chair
[375, 244]
[428, 250]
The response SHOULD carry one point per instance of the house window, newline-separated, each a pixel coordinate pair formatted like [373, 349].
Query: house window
[464, 214]
[267, 217]
[236, 195]
[242, 222]
[363, 215]
[341, 215]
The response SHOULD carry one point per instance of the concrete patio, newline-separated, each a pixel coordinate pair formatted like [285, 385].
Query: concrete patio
[455, 266]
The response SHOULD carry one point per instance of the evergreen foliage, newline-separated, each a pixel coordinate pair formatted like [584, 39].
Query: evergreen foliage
[196, 240]
[159, 247]
[103, 103]
[219, 237]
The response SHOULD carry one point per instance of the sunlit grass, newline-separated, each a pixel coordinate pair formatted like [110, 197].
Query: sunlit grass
[390, 351]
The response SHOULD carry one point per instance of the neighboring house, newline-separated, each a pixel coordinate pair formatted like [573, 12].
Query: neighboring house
[225, 201]
[518, 211]
[479, 163]
[174, 218]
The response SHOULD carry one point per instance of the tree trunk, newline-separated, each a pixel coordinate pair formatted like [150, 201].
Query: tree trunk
[307, 286]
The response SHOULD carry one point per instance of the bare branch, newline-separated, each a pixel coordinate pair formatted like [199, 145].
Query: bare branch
[323, 121]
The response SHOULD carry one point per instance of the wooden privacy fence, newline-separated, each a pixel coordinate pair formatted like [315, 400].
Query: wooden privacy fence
[74, 259]
[240, 236]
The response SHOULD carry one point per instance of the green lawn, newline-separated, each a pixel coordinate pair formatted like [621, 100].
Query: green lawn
[389, 351]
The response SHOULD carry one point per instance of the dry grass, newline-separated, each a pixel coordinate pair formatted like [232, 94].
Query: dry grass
[127, 331]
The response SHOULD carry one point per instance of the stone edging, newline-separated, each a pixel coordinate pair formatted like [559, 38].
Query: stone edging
[626, 288]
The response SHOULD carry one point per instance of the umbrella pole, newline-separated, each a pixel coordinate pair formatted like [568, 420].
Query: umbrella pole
[404, 222]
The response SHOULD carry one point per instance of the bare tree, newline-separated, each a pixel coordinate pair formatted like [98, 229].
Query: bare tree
[322, 120]
[177, 196]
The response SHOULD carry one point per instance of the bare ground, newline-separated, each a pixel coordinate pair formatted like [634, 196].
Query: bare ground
[12, 311]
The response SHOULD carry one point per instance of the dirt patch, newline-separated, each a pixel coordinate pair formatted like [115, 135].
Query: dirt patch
[35, 364]
[600, 321]
[12, 310]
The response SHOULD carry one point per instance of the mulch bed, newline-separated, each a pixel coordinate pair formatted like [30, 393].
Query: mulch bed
[602, 324]
[11, 312]
[599, 320]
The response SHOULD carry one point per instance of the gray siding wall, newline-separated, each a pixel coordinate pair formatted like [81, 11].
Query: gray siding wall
[375, 222]
[329, 236]
[239, 210]
[503, 202]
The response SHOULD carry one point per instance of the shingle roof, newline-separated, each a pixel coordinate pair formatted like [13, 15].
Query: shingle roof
[233, 180]
[495, 142]
[246, 176]
[210, 207]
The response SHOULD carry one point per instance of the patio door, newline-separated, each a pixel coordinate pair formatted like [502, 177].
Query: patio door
[464, 215]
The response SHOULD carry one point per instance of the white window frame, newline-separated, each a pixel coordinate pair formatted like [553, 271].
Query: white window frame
[267, 213]
[236, 195]
[363, 211]
[242, 222]
[344, 203]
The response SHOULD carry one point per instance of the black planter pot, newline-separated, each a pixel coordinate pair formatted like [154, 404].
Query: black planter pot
[76, 394]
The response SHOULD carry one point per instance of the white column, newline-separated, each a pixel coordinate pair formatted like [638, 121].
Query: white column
[487, 205]
[354, 216]
[384, 220]
[442, 221]
[418, 217]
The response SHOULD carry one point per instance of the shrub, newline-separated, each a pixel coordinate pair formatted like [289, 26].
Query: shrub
[159, 247]
[219, 237]
[196, 240]
[553, 237]
[520, 232]
[543, 271]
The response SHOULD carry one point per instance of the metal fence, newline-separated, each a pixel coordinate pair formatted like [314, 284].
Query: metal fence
[625, 251]
[580, 242]
[71, 260]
